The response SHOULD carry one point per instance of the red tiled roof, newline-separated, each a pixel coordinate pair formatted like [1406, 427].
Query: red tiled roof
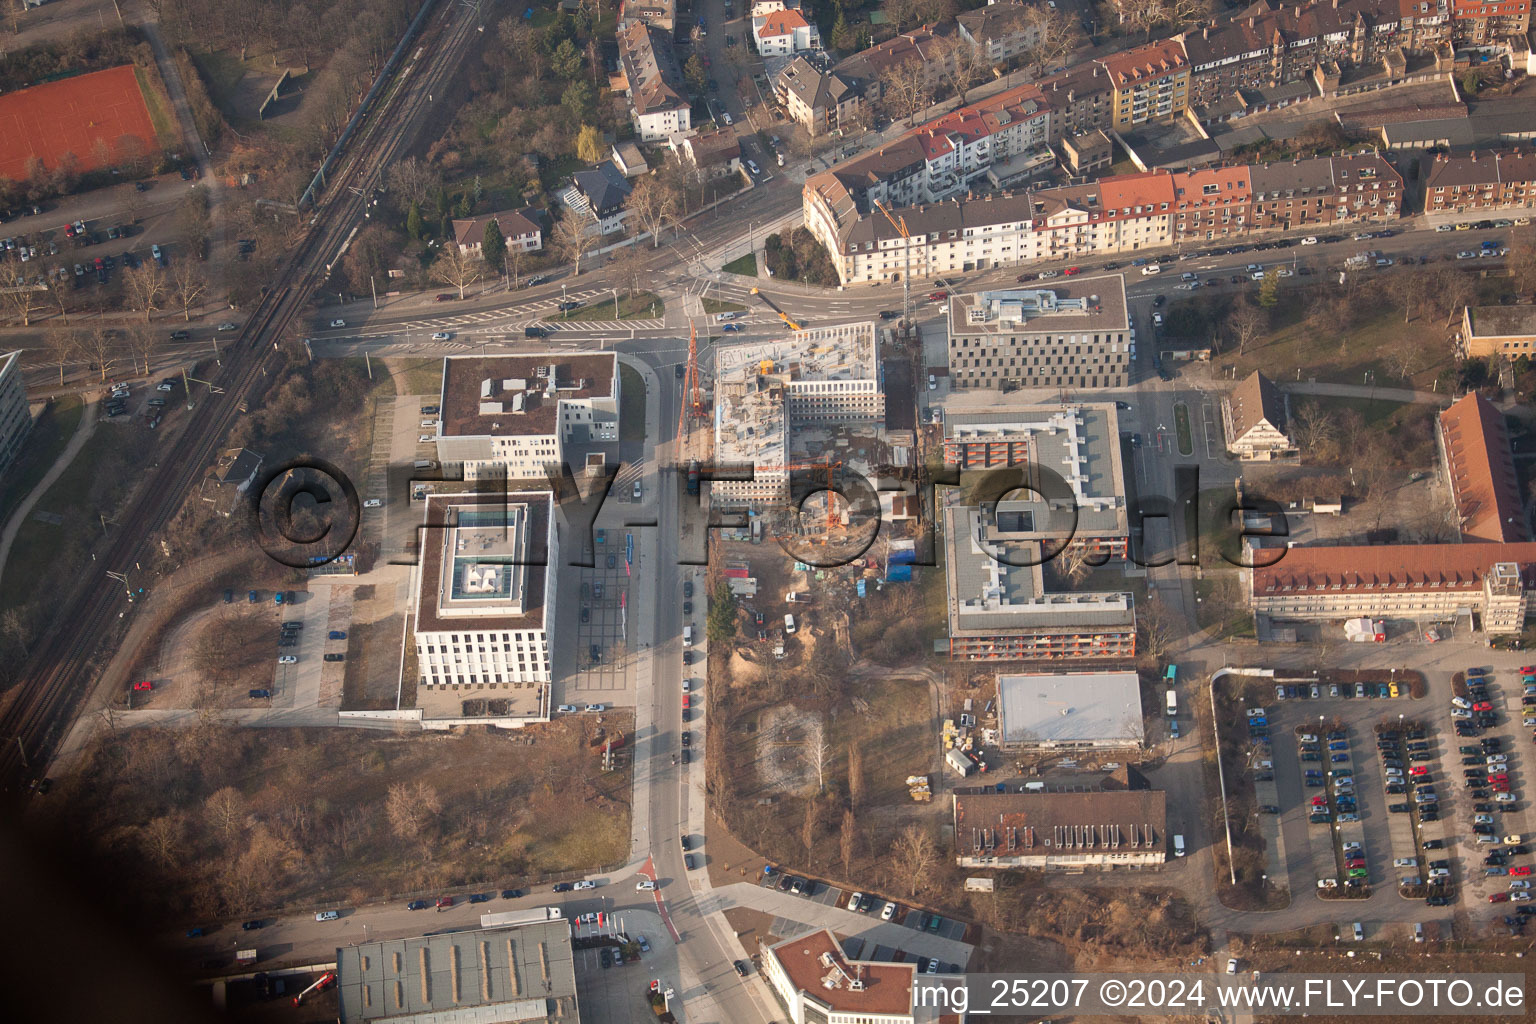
[1388, 568]
[1482, 470]
[1150, 61]
[887, 987]
[782, 23]
[1231, 184]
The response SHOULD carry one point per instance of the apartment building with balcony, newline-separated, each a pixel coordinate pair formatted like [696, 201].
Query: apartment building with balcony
[1151, 83]
[654, 81]
[1482, 22]
[1003, 32]
[822, 101]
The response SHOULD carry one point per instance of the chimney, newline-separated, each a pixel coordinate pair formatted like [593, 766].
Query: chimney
[1205, 33]
[1251, 20]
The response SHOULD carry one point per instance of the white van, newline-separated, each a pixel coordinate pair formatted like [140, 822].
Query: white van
[789, 624]
[687, 636]
[425, 464]
[1034, 787]
[723, 318]
[1178, 846]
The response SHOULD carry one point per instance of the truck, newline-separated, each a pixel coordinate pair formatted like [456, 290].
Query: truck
[693, 477]
[1173, 703]
[518, 917]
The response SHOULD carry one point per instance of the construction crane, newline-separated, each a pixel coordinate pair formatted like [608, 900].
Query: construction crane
[777, 311]
[827, 467]
[900, 224]
[692, 403]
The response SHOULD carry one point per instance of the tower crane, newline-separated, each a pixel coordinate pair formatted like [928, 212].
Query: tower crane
[900, 224]
[692, 403]
[777, 311]
[827, 467]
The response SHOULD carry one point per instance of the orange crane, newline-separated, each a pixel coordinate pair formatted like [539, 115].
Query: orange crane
[777, 311]
[693, 397]
[827, 466]
[900, 224]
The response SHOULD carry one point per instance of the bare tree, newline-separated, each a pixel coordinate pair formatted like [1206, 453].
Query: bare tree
[1055, 34]
[818, 754]
[411, 808]
[1245, 323]
[904, 89]
[62, 345]
[1407, 287]
[811, 824]
[856, 792]
[628, 268]
[411, 180]
[142, 343]
[1155, 622]
[1451, 291]
[19, 293]
[1401, 359]
[913, 856]
[164, 837]
[1313, 428]
[848, 841]
[653, 201]
[226, 814]
[457, 268]
[965, 66]
[572, 239]
[1074, 562]
[97, 346]
[187, 286]
[144, 286]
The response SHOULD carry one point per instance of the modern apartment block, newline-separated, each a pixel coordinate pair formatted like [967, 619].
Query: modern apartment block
[1475, 181]
[512, 416]
[1076, 333]
[1000, 607]
[15, 415]
[485, 592]
[1002, 31]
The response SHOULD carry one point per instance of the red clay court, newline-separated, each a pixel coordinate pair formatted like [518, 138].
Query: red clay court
[50, 120]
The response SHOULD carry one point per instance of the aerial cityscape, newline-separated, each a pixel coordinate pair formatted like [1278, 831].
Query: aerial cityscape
[859, 512]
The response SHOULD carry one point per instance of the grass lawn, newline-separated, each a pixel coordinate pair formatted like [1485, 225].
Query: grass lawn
[718, 306]
[1181, 424]
[641, 306]
[746, 265]
[159, 106]
[1345, 357]
[422, 376]
[50, 435]
[1214, 611]
[631, 404]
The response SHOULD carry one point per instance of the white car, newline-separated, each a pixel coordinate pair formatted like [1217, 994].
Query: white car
[1444, 227]
[889, 912]
[227, 326]
[1157, 319]
[1406, 862]
[1519, 897]
[645, 885]
[686, 685]
[1309, 240]
[442, 335]
[338, 323]
[584, 884]
[426, 439]
[288, 659]
[1460, 713]
[752, 167]
[1504, 798]
[1461, 702]
[567, 709]
[1514, 839]
[597, 708]
[1520, 883]
[1232, 965]
[1150, 269]
[372, 503]
[162, 387]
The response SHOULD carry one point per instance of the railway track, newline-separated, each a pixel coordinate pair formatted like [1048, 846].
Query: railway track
[61, 671]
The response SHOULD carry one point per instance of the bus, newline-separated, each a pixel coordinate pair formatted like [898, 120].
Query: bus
[1171, 677]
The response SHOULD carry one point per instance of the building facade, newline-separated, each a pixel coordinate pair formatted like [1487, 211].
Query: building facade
[1480, 181]
[786, 32]
[816, 982]
[1001, 32]
[485, 592]
[654, 81]
[1254, 419]
[1075, 334]
[822, 101]
[523, 230]
[1103, 831]
[1481, 22]
[1509, 331]
[513, 417]
[1151, 83]
[1479, 466]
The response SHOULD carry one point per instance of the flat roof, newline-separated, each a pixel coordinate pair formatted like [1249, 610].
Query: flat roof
[484, 561]
[816, 965]
[838, 352]
[502, 396]
[751, 422]
[1064, 304]
[1017, 824]
[1070, 707]
[1502, 321]
[527, 973]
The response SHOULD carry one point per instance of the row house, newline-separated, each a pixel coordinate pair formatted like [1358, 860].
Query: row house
[1120, 214]
[1002, 32]
[653, 82]
[1082, 100]
[1266, 47]
[1480, 22]
[1487, 181]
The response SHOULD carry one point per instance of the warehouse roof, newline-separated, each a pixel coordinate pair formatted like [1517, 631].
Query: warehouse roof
[1070, 708]
[1013, 824]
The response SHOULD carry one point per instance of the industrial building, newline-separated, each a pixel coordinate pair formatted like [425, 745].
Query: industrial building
[522, 973]
[1061, 831]
[823, 376]
[485, 597]
[1075, 333]
[817, 983]
[1079, 444]
[1070, 711]
[999, 607]
[515, 416]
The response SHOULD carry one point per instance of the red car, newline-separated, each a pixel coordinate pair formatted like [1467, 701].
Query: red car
[1319, 801]
[1528, 670]
[1355, 862]
[937, 296]
[1498, 778]
[1501, 787]
[144, 687]
[1419, 769]
[1482, 705]
[443, 902]
[1521, 871]
[1072, 270]
[686, 704]
[1498, 897]
[444, 297]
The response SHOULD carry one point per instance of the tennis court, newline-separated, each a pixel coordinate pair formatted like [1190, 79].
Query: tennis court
[73, 116]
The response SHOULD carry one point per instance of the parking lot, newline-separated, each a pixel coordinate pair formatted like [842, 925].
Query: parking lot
[1381, 794]
[919, 921]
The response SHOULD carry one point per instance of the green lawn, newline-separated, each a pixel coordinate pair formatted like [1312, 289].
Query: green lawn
[158, 104]
[746, 265]
[717, 306]
[1344, 356]
[631, 404]
[422, 376]
[1181, 424]
[47, 441]
[641, 306]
